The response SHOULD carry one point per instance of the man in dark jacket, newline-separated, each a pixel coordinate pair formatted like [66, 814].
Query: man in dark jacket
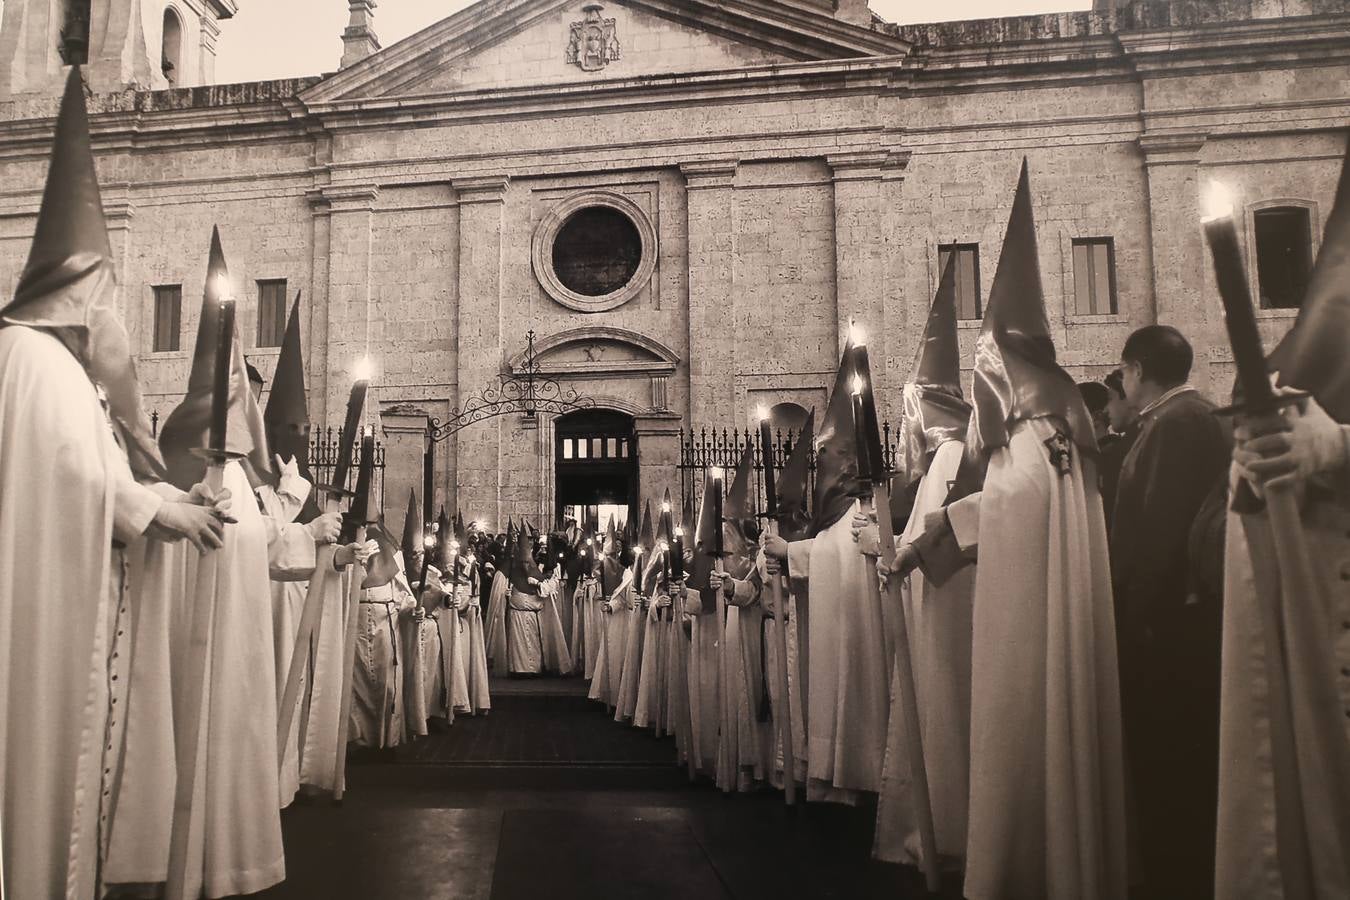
[1168, 638]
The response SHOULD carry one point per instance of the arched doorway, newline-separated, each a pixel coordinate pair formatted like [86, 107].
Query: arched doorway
[596, 466]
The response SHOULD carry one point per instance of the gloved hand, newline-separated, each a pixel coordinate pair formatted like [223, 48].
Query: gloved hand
[326, 528]
[719, 581]
[906, 561]
[1283, 451]
[219, 503]
[775, 548]
[868, 540]
[862, 521]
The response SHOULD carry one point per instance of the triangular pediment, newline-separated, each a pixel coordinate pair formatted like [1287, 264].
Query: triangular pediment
[525, 43]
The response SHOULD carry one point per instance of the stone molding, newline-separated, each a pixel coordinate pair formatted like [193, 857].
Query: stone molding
[1173, 149]
[481, 188]
[664, 365]
[709, 173]
[862, 165]
[546, 232]
[343, 198]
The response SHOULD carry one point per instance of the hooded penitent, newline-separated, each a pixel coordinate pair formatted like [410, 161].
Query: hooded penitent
[413, 532]
[794, 519]
[1312, 357]
[837, 483]
[935, 410]
[186, 429]
[68, 283]
[738, 524]
[523, 566]
[1016, 376]
[646, 541]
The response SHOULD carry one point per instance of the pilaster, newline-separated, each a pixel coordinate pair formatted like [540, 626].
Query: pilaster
[711, 202]
[860, 254]
[345, 327]
[405, 440]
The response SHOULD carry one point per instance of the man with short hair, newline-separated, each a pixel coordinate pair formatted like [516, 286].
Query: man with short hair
[1123, 422]
[1168, 639]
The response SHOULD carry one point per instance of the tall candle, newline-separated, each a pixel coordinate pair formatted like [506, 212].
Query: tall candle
[220, 385]
[871, 460]
[360, 508]
[717, 512]
[1239, 316]
[766, 462]
[677, 556]
[356, 402]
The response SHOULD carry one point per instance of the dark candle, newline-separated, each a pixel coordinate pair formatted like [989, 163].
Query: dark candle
[1231, 275]
[220, 385]
[871, 461]
[360, 509]
[860, 438]
[717, 513]
[677, 556]
[356, 402]
[766, 461]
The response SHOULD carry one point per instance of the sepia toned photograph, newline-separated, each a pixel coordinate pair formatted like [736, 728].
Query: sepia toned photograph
[675, 449]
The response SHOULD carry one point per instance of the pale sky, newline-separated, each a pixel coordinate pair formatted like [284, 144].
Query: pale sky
[290, 38]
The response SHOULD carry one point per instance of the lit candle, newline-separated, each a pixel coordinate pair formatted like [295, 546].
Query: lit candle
[454, 562]
[766, 463]
[677, 556]
[220, 386]
[428, 547]
[356, 403]
[718, 549]
[360, 508]
[866, 430]
[1231, 276]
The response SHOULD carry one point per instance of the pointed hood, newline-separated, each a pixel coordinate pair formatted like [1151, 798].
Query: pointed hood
[611, 537]
[523, 566]
[287, 415]
[69, 282]
[837, 481]
[1312, 357]
[666, 524]
[935, 410]
[442, 551]
[794, 519]
[383, 567]
[737, 509]
[646, 541]
[461, 533]
[703, 562]
[413, 530]
[1016, 375]
[186, 428]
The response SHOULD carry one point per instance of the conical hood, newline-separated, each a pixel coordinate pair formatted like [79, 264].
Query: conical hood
[186, 428]
[737, 510]
[647, 535]
[794, 519]
[611, 537]
[383, 567]
[523, 566]
[1016, 376]
[413, 530]
[69, 282]
[442, 551]
[646, 542]
[666, 525]
[1312, 357]
[935, 410]
[287, 413]
[461, 533]
[837, 481]
[703, 562]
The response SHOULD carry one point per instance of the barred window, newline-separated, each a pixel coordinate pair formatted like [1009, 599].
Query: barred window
[1094, 276]
[168, 317]
[271, 312]
[969, 304]
[1284, 257]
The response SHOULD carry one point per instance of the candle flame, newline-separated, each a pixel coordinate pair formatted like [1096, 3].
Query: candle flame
[221, 285]
[665, 506]
[679, 533]
[363, 369]
[1217, 201]
[716, 474]
[763, 412]
[857, 335]
[857, 384]
[429, 541]
[454, 545]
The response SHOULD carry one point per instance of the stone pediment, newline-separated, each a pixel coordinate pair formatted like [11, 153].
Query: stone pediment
[497, 44]
[599, 351]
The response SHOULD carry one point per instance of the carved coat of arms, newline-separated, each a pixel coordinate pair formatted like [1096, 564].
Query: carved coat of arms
[593, 43]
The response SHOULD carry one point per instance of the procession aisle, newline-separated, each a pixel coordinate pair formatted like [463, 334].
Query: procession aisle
[549, 797]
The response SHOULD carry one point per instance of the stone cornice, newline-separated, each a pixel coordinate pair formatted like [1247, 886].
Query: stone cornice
[709, 173]
[339, 198]
[1172, 149]
[481, 188]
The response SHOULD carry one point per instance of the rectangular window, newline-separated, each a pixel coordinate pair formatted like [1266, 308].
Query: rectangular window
[567, 448]
[968, 301]
[271, 312]
[1094, 276]
[168, 316]
[582, 446]
[1283, 255]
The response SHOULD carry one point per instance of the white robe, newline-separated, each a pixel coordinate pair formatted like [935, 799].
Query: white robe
[475, 659]
[321, 704]
[650, 711]
[703, 685]
[557, 658]
[1046, 816]
[377, 682]
[849, 685]
[65, 493]
[939, 621]
[1317, 639]
[626, 700]
[524, 638]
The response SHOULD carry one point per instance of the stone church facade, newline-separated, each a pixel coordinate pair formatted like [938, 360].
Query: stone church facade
[686, 202]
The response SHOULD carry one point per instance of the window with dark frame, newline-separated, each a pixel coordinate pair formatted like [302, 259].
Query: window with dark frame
[1284, 257]
[271, 312]
[168, 317]
[1094, 276]
[969, 304]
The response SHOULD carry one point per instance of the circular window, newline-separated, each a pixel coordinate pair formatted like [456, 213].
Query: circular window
[597, 251]
[594, 251]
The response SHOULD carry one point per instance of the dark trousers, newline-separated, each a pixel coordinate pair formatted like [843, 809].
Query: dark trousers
[1169, 690]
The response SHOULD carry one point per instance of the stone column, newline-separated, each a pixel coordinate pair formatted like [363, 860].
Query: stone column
[860, 258]
[314, 330]
[206, 68]
[346, 329]
[658, 441]
[405, 440]
[478, 448]
[1172, 162]
[712, 325]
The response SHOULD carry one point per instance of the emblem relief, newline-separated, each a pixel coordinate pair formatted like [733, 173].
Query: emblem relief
[593, 43]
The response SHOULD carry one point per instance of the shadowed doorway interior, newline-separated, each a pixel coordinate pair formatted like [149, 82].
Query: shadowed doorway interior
[596, 461]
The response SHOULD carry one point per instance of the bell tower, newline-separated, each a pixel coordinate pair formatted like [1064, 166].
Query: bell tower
[136, 44]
